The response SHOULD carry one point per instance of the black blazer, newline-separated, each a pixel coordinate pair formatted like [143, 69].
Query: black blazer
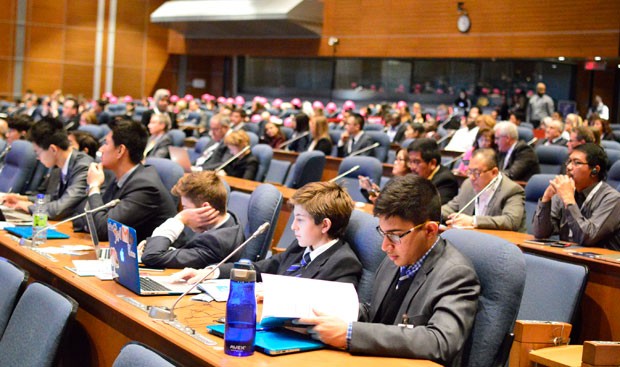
[522, 163]
[198, 251]
[339, 264]
[324, 145]
[400, 134]
[300, 145]
[219, 156]
[446, 183]
[145, 204]
[364, 141]
[244, 167]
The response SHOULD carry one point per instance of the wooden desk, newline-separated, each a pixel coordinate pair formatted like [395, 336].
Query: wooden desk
[108, 322]
[563, 356]
[599, 307]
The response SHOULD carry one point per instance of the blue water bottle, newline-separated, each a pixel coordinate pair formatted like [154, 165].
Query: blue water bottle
[241, 311]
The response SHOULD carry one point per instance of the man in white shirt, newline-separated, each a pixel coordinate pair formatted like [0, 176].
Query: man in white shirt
[464, 137]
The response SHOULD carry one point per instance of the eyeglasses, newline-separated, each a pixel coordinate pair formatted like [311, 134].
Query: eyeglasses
[475, 172]
[395, 238]
[415, 162]
[575, 163]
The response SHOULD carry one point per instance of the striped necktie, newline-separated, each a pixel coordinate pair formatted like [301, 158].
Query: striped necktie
[305, 260]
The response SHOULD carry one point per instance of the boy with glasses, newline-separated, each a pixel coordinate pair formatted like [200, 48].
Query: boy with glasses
[580, 206]
[501, 204]
[425, 292]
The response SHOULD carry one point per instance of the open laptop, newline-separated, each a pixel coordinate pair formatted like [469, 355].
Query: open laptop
[276, 341]
[124, 255]
[180, 156]
[14, 216]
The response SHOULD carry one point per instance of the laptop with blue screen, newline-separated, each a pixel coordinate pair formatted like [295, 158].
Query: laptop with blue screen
[124, 256]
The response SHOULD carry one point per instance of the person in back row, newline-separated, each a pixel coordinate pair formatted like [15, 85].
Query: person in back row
[321, 215]
[145, 202]
[217, 231]
[517, 160]
[425, 161]
[66, 187]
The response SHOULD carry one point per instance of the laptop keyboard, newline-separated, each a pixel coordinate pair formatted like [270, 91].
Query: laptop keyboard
[149, 285]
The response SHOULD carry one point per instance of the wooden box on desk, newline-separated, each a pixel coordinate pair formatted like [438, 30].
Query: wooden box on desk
[532, 335]
[601, 353]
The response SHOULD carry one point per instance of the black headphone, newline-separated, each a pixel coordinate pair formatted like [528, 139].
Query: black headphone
[594, 171]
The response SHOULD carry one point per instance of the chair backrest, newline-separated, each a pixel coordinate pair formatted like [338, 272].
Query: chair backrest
[278, 171]
[527, 125]
[138, 112]
[253, 138]
[95, 130]
[405, 143]
[366, 242]
[12, 282]
[612, 156]
[307, 168]
[380, 152]
[553, 289]
[334, 135]
[177, 136]
[136, 354]
[373, 127]
[500, 266]
[263, 205]
[36, 327]
[264, 154]
[193, 118]
[19, 164]
[551, 158]
[610, 144]
[369, 166]
[534, 190]
[169, 172]
[525, 134]
[252, 127]
[613, 175]
[39, 173]
[287, 131]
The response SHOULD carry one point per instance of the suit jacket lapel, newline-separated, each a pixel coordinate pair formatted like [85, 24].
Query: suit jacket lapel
[385, 274]
[315, 265]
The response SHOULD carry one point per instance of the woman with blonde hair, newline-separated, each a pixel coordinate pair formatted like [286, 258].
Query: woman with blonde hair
[571, 121]
[245, 166]
[320, 135]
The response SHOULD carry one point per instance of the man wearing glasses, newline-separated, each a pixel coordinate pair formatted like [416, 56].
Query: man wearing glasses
[425, 161]
[517, 160]
[425, 292]
[499, 202]
[579, 206]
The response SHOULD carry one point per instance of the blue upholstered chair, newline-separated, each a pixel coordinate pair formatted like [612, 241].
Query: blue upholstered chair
[19, 165]
[253, 138]
[177, 136]
[278, 171]
[369, 166]
[527, 125]
[36, 327]
[613, 175]
[138, 112]
[136, 354]
[373, 127]
[334, 135]
[199, 147]
[39, 173]
[534, 190]
[263, 205]
[252, 127]
[12, 282]
[551, 158]
[500, 266]
[380, 152]
[307, 168]
[525, 134]
[553, 289]
[169, 172]
[193, 118]
[612, 157]
[95, 130]
[287, 131]
[610, 144]
[405, 143]
[264, 154]
[366, 242]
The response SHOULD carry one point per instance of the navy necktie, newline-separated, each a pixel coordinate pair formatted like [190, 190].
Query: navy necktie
[305, 260]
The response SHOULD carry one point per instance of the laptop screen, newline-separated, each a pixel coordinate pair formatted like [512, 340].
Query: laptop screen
[124, 254]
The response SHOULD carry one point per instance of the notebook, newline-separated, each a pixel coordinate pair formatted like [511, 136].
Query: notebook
[124, 256]
[276, 341]
[26, 232]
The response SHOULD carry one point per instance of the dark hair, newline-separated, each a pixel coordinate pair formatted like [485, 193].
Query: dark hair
[20, 123]
[411, 198]
[488, 155]
[416, 126]
[86, 140]
[359, 119]
[485, 131]
[302, 122]
[427, 148]
[240, 111]
[49, 131]
[133, 136]
[596, 156]
[75, 102]
[584, 133]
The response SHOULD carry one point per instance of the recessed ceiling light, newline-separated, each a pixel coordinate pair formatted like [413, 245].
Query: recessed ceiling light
[597, 58]
[561, 58]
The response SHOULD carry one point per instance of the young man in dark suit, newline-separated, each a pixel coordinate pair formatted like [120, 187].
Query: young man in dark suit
[216, 232]
[321, 214]
[425, 292]
[67, 187]
[145, 202]
[425, 161]
[353, 138]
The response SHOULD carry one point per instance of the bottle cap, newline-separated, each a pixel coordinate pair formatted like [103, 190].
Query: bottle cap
[243, 271]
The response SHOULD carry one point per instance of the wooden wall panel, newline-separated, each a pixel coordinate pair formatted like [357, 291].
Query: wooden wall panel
[82, 13]
[129, 49]
[6, 83]
[8, 10]
[42, 77]
[47, 12]
[7, 37]
[131, 81]
[79, 46]
[45, 43]
[75, 77]
[131, 15]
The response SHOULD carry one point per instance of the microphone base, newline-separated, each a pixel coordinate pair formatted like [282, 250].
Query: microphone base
[161, 313]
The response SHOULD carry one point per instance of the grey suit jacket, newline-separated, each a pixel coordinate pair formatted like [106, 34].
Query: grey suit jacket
[364, 141]
[160, 149]
[441, 305]
[505, 211]
[65, 198]
[198, 251]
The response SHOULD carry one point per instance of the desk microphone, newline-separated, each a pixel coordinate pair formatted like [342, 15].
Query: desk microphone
[363, 150]
[24, 241]
[164, 313]
[290, 141]
[344, 174]
[452, 161]
[232, 159]
[478, 194]
[532, 141]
